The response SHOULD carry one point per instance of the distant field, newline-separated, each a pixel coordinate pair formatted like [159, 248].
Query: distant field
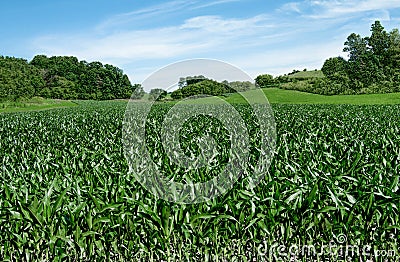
[274, 95]
[34, 104]
[280, 96]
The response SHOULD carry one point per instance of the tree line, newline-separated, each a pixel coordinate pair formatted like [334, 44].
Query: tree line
[200, 85]
[194, 86]
[372, 66]
[63, 77]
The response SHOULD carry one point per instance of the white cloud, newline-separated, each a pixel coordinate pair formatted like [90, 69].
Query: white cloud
[291, 7]
[195, 35]
[157, 11]
[279, 61]
[326, 9]
[144, 13]
[131, 45]
[332, 9]
[273, 42]
[212, 3]
[216, 24]
[203, 36]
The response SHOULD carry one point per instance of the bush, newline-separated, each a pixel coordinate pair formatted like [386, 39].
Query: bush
[205, 87]
[265, 80]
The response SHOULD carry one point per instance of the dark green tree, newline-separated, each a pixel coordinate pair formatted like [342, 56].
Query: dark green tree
[90, 80]
[138, 91]
[265, 80]
[204, 87]
[379, 40]
[393, 57]
[356, 46]
[177, 94]
[18, 79]
[190, 80]
[157, 94]
[333, 66]
[240, 86]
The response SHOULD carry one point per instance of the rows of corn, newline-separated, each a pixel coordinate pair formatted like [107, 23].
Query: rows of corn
[66, 193]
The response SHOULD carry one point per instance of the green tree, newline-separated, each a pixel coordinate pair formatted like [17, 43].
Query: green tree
[182, 82]
[393, 52]
[265, 80]
[157, 94]
[40, 61]
[333, 66]
[240, 86]
[203, 87]
[379, 40]
[91, 80]
[356, 46]
[190, 80]
[138, 91]
[177, 94]
[18, 79]
[362, 63]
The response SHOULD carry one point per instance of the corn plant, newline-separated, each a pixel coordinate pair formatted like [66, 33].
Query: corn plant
[67, 194]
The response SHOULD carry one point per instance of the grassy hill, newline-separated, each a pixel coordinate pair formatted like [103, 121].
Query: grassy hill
[34, 104]
[274, 96]
[307, 74]
[280, 96]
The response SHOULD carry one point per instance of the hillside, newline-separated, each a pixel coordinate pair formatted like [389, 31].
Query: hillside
[280, 96]
[307, 74]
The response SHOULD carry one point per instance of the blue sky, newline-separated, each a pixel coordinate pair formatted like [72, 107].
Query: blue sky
[140, 37]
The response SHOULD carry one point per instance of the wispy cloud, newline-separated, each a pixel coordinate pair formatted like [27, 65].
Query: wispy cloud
[216, 24]
[158, 10]
[201, 36]
[333, 9]
[212, 3]
[195, 35]
[274, 41]
[145, 13]
[291, 7]
[283, 60]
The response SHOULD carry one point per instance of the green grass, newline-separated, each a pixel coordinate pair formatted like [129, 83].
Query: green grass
[204, 100]
[34, 104]
[145, 97]
[280, 96]
[274, 96]
[308, 74]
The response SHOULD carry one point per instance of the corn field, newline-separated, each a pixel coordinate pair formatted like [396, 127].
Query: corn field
[67, 194]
